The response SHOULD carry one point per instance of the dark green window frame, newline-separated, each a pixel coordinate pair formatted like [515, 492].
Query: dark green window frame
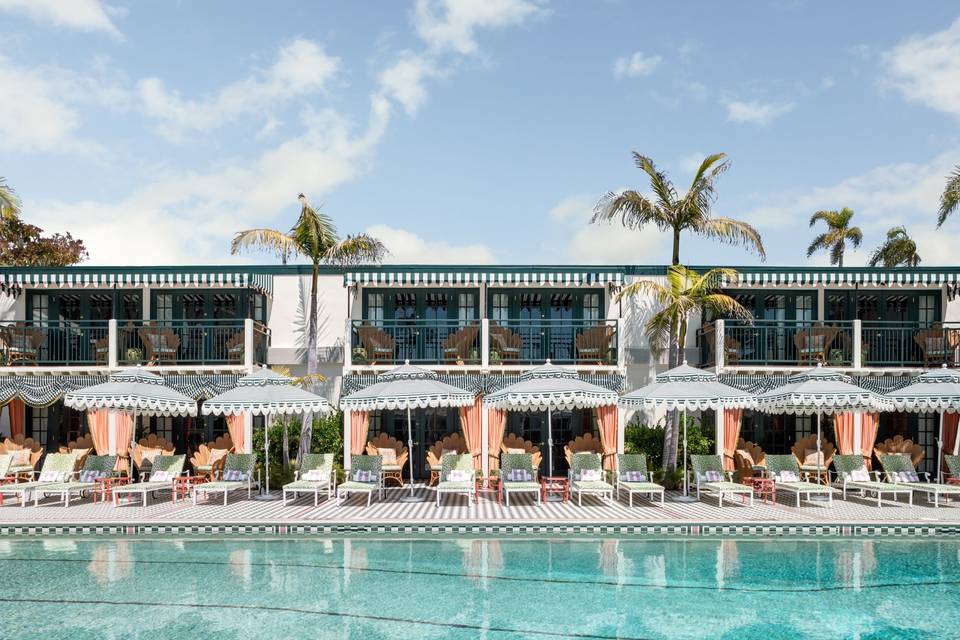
[515, 298]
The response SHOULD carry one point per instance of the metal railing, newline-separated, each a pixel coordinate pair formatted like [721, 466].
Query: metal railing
[910, 344]
[54, 342]
[421, 341]
[779, 343]
[560, 341]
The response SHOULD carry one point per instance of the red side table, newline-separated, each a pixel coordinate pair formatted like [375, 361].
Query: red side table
[765, 489]
[183, 485]
[554, 486]
[487, 484]
[104, 487]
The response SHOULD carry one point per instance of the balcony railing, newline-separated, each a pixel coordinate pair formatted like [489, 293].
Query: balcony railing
[484, 342]
[118, 343]
[852, 343]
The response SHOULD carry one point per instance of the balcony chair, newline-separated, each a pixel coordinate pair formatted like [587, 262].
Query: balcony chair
[937, 344]
[586, 443]
[901, 445]
[505, 342]
[209, 458]
[378, 344]
[22, 344]
[234, 346]
[731, 346]
[805, 449]
[512, 443]
[101, 350]
[161, 344]
[748, 459]
[594, 345]
[457, 346]
[451, 444]
[393, 454]
[813, 343]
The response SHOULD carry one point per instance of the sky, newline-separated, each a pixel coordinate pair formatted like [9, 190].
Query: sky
[475, 131]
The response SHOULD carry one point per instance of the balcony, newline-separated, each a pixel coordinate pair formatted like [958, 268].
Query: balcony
[484, 343]
[853, 343]
[108, 343]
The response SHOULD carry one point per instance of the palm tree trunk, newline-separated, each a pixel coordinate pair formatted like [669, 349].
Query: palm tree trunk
[286, 444]
[306, 431]
[670, 431]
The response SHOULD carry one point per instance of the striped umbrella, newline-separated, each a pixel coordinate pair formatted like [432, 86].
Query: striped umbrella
[937, 390]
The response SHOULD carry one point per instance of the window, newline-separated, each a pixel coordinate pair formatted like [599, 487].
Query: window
[405, 306]
[804, 308]
[926, 309]
[39, 419]
[164, 307]
[375, 308]
[927, 426]
[40, 307]
[101, 306]
[259, 309]
[500, 308]
[225, 305]
[466, 307]
[436, 306]
[163, 427]
[591, 306]
[131, 306]
[804, 426]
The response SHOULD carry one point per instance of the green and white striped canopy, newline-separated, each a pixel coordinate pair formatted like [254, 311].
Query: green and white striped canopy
[265, 392]
[936, 390]
[550, 387]
[133, 390]
[821, 390]
[407, 387]
[688, 389]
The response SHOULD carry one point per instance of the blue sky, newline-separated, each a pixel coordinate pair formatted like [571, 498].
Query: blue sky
[474, 130]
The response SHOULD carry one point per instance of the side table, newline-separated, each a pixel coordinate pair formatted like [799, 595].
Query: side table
[765, 489]
[557, 486]
[104, 487]
[487, 484]
[183, 485]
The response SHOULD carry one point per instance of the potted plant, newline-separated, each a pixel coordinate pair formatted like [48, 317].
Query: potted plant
[836, 357]
[133, 355]
[494, 356]
[474, 355]
[359, 355]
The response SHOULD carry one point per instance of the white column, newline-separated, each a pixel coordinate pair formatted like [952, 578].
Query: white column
[821, 303]
[248, 344]
[485, 441]
[484, 344]
[857, 444]
[248, 432]
[621, 347]
[145, 302]
[348, 344]
[718, 431]
[719, 349]
[857, 344]
[621, 427]
[112, 432]
[112, 343]
[346, 440]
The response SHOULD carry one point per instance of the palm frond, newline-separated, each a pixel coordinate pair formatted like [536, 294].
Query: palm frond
[357, 249]
[657, 330]
[271, 240]
[830, 217]
[659, 293]
[9, 202]
[661, 185]
[819, 243]
[855, 236]
[633, 209]
[314, 231]
[950, 198]
[734, 232]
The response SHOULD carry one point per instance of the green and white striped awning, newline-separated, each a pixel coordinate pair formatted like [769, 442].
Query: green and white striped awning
[133, 390]
[569, 277]
[43, 391]
[835, 278]
[86, 277]
[481, 384]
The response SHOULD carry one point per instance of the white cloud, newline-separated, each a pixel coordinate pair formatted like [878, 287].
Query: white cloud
[404, 81]
[450, 25]
[577, 207]
[926, 69]
[83, 15]
[635, 65]
[692, 161]
[301, 68]
[756, 112]
[407, 247]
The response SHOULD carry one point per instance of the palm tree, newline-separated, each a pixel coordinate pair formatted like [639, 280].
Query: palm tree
[9, 202]
[838, 234]
[684, 293]
[950, 199]
[314, 236]
[669, 211]
[898, 249]
[305, 382]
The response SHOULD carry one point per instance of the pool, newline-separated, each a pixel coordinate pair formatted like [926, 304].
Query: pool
[487, 588]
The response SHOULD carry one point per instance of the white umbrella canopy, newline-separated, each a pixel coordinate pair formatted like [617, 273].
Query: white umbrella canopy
[407, 387]
[818, 391]
[136, 390]
[267, 393]
[687, 389]
[550, 388]
[933, 391]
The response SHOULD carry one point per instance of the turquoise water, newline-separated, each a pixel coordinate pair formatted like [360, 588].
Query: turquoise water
[373, 588]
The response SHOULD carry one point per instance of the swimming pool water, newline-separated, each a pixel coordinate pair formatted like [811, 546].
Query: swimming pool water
[517, 588]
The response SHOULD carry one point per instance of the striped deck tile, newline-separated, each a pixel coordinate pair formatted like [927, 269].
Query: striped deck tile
[854, 511]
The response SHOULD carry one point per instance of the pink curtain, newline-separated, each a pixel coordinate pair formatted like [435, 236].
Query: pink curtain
[359, 428]
[124, 434]
[17, 411]
[950, 423]
[731, 433]
[868, 435]
[843, 430]
[496, 423]
[236, 429]
[470, 418]
[607, 422]
[99, 423]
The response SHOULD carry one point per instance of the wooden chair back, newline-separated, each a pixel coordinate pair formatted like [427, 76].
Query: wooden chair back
[161, 344]
[512, 442]
[384, 441]
[747, 456]
[378, 343]
[505, 342]
[594, 343]
[899, 444]
[22, 442]
[455, 442]
[813, 343]
[151, 441]
[809, 443]
[201, 457]
[457, 345]
[936, 344]
[586, 443]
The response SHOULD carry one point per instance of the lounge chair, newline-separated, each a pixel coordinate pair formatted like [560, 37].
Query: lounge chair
[787, 476]
[457, 475]
[160, 477]
[315, 476]
[393, 455]
[512, 443]
[56, 469]
[899, 444]
[149, 447]
[366, 476]
[517, 475]
[26, 454]
[899, 470]
[209, 458]
[853, 474]
[237, 475]
[710, 478]
[94, 469]
[586, 477]
[953, 468]
[633, 477]
[453, 443]
[586, 443]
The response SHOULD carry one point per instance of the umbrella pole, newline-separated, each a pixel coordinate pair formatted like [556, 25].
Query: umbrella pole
[940, 447]
[411, 497]
[133, 444]
[819, 497]
[267, 423]
[550, 440]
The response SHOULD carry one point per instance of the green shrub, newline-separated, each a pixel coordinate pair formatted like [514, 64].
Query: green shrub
[327, 437]
[642, 438]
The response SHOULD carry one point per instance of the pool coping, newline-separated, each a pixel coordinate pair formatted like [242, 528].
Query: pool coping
[517, 529]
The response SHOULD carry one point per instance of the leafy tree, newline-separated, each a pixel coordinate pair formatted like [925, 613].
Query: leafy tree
[838, 234]
[313, 236]
[685, 292]
[24, 245]
[899, 249]
[639, 437]
[950, 198]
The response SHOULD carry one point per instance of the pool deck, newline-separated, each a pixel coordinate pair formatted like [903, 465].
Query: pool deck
[242, 511]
